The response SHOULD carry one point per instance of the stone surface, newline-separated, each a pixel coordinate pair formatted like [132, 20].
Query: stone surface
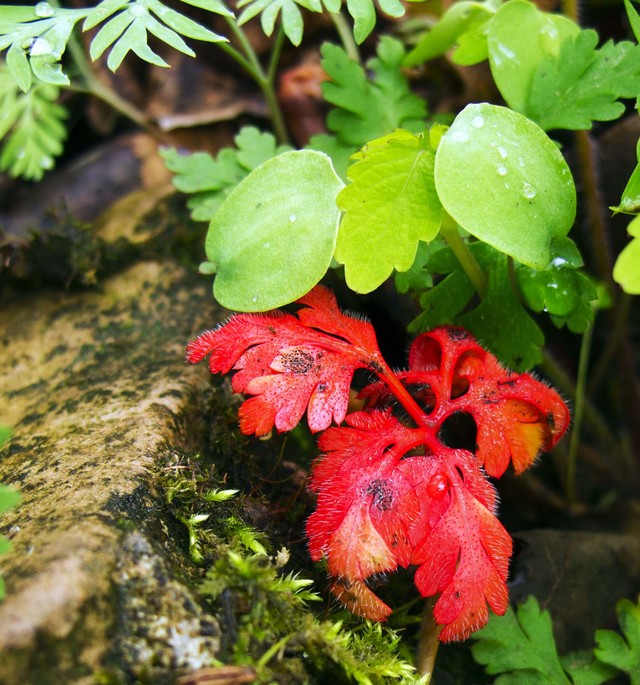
[95, 386]
[578, 577]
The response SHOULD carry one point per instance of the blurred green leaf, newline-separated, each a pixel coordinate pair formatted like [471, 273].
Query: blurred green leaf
[622, 651]
[626, 270]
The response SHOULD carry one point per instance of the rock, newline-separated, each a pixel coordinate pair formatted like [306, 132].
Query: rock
[578, 577]
[96, 389]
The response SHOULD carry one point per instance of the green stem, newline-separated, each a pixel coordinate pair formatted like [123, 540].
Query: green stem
[250, 62]
[595, 420]
[578, 414]
[275, 56]
[272, 651]
[96, 87]
[449, 231]
[428, 642]
[571, 9]
[346, 36]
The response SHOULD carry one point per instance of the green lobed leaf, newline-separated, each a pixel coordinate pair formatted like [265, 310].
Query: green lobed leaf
[586, 83]
[500, 321]
[630, 200]
[367, 108]
[390, 205]
[520, 37]
[622, 651]
[211, 179]
[585, 669]
[273, 238]
[520, 647]
[626, 270]
[505, 182]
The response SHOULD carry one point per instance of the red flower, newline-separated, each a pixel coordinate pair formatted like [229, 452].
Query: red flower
[390, 492]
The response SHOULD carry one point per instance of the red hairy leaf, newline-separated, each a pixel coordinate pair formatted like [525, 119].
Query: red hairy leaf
[389, 491]
[291, 363]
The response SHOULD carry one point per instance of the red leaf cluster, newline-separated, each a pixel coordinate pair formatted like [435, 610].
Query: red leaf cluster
[390, 491]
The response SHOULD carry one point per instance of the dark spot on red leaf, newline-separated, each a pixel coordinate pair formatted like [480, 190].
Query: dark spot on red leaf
[298, 361]
[382, 494]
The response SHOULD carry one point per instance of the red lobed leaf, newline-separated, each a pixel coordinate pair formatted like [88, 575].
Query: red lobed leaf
[291, 363]
[390, 493]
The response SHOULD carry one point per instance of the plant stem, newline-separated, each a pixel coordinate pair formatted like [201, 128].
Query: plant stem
[591, 414]
[346, 36]
[428, 642]
[250, 62]
[578, 415]
[449, 231]
[571, 9]
[96, 87]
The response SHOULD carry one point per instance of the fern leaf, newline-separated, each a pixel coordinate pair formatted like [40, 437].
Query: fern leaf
[32, 127]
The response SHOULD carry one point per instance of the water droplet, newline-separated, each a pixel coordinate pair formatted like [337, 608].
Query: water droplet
[460, 136]
[520, 161]
[292, 217]
[559, 261]
[44, 9]
[528, 191]
[46, 162]
[506, 185]
[507, 52]
[477, 122]
[254, 298]
[266, 245]
[502, 169]
[20, 154]
[502, 152]
[41, 46]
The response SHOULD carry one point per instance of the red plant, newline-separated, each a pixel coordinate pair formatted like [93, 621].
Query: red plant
[390, 492]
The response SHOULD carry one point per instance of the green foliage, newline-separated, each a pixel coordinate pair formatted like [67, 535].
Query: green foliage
[292, 20]
[36, 38]
[366, 107]
[630, 200]
[622, 652]
[505, 182]
[520, 649]
[131, 21]
[208, 180]
[587, 83]
[273, 615]
[626, 271]
[269, 244]
[8, 498]
[390, 205]
[31, 125]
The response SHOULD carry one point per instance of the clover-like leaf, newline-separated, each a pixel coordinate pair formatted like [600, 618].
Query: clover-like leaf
[505, 182]
[274, 236]
[390, 205]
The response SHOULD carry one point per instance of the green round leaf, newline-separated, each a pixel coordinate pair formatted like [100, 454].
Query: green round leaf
[505, 182]
[273, 237]
[520, 36]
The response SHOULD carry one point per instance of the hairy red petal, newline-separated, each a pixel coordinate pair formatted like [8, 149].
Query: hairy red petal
[359, 599]
[465, 559]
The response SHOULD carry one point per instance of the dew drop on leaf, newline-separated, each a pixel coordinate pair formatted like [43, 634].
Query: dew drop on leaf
[46, 162]
[438, 486]
[528, 191]
[460, 136]
[502, 169]
[477, 122]
[502, 152]
[44, 9]
[292, 217]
